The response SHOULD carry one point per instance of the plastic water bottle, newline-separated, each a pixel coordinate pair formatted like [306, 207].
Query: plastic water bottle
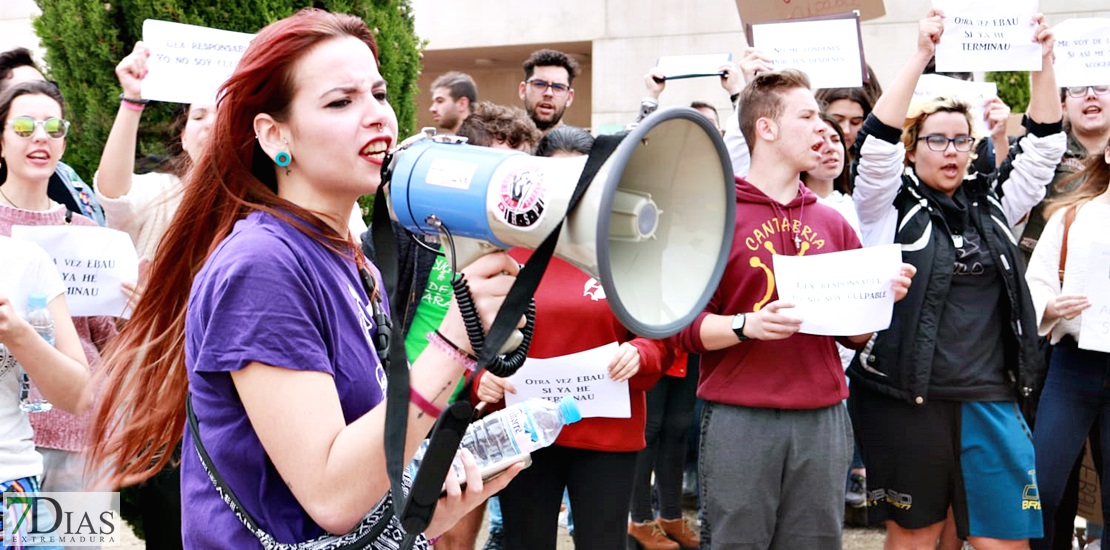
[502, 438]
[39, 317]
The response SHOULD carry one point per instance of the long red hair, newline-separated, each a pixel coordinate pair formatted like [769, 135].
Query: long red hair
[141, 414]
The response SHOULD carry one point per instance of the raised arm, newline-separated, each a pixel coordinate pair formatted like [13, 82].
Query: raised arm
[1022, 183]
[1044, 101]
[891, 107]
[736, 75]
[117, 162]
[877, 172]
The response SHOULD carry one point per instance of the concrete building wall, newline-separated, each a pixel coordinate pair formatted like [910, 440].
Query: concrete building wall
[15, 24]
[615, 42]
[627, 36]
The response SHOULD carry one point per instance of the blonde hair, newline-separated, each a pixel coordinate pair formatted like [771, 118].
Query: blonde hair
[1095, 177]
[919, 111]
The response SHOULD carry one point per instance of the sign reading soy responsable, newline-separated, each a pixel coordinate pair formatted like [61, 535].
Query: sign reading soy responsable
[188, 63]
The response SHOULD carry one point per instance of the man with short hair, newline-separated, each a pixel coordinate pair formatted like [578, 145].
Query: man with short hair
[65, 186]
[776, 439]
[546, 89]
[453, 96]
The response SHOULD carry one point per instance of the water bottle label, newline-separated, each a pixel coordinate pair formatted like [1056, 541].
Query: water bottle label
[522, 430]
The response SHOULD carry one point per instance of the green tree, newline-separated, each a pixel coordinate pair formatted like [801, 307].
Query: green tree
[85, 39]
[1013, 89]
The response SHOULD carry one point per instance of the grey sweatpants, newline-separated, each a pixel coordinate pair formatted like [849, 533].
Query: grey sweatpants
[773, 478]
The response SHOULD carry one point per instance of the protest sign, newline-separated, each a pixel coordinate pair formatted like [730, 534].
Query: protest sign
[675, 67]
[1082, 52]
[187, 63]
[975, 94]
[583, 376]
[93, 262]
[828, 49]
[758, 11]
[1094, 326]
[988, 35]
[840, 293]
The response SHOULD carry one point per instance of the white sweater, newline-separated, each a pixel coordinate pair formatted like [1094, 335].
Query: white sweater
[1090, 225]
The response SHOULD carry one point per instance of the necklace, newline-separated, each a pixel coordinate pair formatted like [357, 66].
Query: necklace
[11, 202]
[784, 213]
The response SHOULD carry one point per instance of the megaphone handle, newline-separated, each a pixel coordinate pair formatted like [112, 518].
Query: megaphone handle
[462, 252]
[511, 356]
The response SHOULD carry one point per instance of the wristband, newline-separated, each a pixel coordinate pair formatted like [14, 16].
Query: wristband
[132, 100]
[423, 404]
[132, 106]
[455, 352]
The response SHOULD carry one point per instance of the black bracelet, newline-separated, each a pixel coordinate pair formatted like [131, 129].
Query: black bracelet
[133, 101]
[732, 98]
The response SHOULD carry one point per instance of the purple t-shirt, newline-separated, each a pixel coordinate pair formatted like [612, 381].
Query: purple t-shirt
[271, 294]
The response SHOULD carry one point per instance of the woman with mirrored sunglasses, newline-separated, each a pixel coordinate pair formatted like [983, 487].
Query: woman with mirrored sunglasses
[31, 145]
[935, 396]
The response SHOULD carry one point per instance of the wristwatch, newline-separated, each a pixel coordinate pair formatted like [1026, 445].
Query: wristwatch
[738, 326]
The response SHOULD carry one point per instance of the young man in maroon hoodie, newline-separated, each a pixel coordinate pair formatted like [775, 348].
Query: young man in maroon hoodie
[776, 439]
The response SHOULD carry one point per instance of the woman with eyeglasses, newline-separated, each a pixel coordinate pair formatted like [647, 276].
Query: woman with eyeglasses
[1074, 399]
[934, 396]
[32, 143]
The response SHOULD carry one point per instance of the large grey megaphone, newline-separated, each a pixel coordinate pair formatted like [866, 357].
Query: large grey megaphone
[654, 226]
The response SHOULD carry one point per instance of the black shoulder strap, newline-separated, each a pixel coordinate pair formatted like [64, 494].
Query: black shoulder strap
[444, 444]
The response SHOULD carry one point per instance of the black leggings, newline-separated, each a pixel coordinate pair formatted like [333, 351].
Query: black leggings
[670, 412]
[599, 484]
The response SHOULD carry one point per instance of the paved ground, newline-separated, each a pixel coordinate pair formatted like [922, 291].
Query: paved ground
[854, 539]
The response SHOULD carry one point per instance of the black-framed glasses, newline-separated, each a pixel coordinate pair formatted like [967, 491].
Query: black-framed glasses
[24, 126]
[1081, 91]
[939, 143]
[541, 86]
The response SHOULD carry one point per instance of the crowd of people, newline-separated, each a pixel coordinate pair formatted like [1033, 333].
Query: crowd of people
[248, 387]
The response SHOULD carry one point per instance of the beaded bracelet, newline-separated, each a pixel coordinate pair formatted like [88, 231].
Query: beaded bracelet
[133, 101]
[423, 404]
[446, 346]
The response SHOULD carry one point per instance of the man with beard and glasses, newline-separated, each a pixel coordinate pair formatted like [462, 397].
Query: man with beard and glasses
[546, 89]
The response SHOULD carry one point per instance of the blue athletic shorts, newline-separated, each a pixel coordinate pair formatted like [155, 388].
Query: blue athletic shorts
[976, 457]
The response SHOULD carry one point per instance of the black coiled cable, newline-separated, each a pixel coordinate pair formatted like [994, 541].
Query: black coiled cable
[503, 364]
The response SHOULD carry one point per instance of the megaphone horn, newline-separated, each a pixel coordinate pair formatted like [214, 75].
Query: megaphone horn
[654, 226]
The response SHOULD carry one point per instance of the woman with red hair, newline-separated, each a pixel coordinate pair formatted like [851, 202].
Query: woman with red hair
[260, 313]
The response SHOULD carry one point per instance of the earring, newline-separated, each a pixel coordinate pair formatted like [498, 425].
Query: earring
[283, 158]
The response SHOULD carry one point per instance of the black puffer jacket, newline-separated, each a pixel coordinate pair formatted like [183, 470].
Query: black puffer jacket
[898, 361]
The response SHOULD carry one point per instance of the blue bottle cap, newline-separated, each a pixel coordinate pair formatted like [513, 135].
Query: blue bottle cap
[36, 301]
[569, 407]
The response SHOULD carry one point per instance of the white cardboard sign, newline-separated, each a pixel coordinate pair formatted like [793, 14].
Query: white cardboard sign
[188, 63]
